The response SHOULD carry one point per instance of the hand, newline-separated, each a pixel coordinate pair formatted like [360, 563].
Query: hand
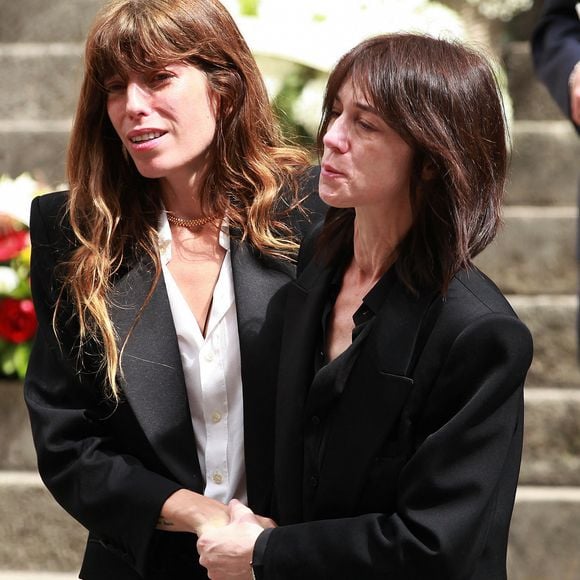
[226, 552]
[575, 95]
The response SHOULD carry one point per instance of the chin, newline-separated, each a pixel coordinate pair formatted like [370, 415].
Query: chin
[334, 200]
[150, 172]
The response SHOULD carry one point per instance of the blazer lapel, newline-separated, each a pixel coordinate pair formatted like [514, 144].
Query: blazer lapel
[152, 376]
[260, 286]
[306, 298]
[371, 405]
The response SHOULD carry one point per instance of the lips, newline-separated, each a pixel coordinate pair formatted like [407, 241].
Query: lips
[330, 171]
[146, 136]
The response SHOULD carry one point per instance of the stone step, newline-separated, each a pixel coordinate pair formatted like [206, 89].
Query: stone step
[545, 164]
[551, 437]
[48, 78]
[552, 322]
[42, 21]
[16, 447]
[531, 100]
[36, 147]
[534, 251]
[39, 536]
[544, 534]
[19, 575]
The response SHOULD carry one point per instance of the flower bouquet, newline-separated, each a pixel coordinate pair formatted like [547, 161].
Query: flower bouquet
[17, 317]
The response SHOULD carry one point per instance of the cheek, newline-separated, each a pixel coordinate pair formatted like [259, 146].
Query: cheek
[113, 112]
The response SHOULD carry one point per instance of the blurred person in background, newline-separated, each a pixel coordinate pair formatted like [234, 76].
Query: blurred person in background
[556, 55]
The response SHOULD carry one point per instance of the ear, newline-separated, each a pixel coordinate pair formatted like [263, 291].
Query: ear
[429, 170]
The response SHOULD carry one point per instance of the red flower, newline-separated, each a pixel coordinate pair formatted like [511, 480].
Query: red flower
[12, 243]
[17, 320]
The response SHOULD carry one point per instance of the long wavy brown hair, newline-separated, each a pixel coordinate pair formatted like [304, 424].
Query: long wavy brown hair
[113, 210]
[444, 100]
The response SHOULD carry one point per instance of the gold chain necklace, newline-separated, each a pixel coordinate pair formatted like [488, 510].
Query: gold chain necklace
[193, 223]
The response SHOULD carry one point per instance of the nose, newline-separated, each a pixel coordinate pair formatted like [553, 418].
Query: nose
[336, 136]
[137, 99]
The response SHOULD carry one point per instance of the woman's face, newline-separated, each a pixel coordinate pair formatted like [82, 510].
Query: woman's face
[165, 119]
[365, 162]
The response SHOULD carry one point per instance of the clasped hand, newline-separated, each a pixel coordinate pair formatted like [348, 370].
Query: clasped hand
[226, 551]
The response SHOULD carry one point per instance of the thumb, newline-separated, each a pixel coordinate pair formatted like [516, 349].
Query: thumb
[239, 513]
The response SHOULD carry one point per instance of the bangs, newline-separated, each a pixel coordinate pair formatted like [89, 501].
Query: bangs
[371, 81]
[133, 39]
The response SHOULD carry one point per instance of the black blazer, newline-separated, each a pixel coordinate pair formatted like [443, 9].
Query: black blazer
[112, 467]
[421, 457]
[556, 48]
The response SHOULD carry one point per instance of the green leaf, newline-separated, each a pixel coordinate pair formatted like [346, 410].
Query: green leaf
[21, 356]
[249, 7]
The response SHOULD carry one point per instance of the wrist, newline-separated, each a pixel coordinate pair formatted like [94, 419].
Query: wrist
[187, 511]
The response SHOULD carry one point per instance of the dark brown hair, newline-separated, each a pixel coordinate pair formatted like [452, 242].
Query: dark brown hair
[443, 99]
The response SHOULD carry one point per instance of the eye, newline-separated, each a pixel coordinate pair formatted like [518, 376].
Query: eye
[114, 85]
[365, 124]
[160, 77]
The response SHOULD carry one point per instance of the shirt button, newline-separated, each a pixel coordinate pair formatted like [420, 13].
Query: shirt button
[209, 356]
[315, 420]
[314, 480]
[216, 417]
[217, 477]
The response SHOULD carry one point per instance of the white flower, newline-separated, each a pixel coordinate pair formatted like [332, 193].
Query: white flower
[16, 196]
[316, 34]
[501, 9]
[307, 108]
[8, 280]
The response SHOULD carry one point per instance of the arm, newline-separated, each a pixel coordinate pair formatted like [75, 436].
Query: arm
[556, 52]
[115, 494]
[453, 490]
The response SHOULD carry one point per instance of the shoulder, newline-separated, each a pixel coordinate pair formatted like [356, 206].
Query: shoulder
[48, 210]
[474, 290]
[49, 221]
[475, 311]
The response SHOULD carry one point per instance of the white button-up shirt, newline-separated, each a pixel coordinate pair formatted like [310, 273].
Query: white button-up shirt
[213, 380]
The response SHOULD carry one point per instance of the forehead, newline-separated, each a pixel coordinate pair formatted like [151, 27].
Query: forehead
[352, 95]
[353, 90]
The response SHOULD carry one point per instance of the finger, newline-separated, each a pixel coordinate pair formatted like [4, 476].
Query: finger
[575, 100]
[266, 522]
[241, 513]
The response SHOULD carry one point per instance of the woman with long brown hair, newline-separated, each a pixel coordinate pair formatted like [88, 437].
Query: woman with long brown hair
[154, 280]
[400, 393]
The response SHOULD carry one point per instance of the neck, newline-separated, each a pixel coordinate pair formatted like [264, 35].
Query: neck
[182, 196]
[376, 240]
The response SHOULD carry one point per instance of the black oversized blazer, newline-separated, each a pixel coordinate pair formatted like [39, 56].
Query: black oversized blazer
[556, 48]
[112, 467]
[422, 450]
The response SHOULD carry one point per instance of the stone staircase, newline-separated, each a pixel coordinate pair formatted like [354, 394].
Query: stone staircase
[533, 260]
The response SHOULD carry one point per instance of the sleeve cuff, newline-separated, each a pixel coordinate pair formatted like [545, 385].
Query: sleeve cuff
[259, 553]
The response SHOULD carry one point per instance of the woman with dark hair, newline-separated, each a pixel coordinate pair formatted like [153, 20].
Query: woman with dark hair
[151, 381]
[400, 391]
